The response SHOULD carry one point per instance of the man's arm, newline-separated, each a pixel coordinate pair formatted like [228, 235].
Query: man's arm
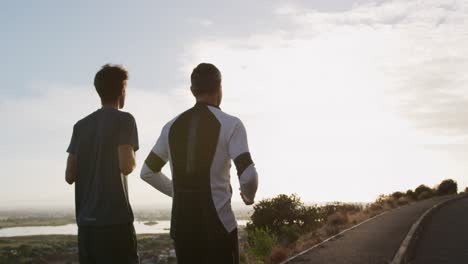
[239, 152]
[158, 157]
[152, 174]
[127, 161]
[128, 145]
[70, 171]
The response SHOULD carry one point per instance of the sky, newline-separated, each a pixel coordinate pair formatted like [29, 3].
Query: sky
[342, 100]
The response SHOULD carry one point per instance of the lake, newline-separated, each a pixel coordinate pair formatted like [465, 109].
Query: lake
[162, 227]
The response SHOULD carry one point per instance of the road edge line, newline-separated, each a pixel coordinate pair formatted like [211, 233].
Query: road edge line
[402, 253]
[332, 237]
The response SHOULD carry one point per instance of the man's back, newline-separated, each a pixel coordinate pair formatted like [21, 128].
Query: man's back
[101, 194]
[200, 154]
[200, 144]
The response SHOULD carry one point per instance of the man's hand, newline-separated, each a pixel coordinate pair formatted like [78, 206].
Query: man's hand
[246, 200]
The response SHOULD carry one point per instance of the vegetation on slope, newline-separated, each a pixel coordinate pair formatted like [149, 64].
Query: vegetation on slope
[283, 226]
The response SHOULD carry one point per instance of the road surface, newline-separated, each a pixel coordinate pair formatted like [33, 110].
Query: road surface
[444, 239]
[374, 242]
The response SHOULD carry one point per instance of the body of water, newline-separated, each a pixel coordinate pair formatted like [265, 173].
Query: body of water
[162, 227]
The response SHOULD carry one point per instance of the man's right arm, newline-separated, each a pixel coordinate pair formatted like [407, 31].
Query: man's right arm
[127, 161]
[151, 171]
[128, 145]
[71, 170]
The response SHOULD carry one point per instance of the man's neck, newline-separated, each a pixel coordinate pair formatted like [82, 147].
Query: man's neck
[110, 105]
[208, 101]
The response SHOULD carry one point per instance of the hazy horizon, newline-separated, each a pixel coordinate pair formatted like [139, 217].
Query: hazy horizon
[342, 100]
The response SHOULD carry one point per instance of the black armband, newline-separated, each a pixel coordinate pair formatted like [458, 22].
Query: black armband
[242, 162]
[154, 162]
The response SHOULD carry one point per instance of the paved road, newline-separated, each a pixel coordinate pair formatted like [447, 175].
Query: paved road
[444, 239]
[374, 242]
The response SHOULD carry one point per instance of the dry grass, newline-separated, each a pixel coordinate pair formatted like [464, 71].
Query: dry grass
[334, 224]
[278, 254]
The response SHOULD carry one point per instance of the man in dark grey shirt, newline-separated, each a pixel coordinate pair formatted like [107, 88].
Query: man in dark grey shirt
[101, 155]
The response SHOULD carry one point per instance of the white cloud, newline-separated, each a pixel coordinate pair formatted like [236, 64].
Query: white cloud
[38, 132]
[338, 106]
[350, 99]
[206, 22]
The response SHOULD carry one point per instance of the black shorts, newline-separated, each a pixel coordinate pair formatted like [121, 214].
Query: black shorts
[107, 244]
[223, 250]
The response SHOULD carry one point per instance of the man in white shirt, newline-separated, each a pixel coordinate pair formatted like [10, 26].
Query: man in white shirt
[200, 144]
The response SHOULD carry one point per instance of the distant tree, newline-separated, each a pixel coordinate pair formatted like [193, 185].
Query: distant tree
[446, 187]
[423, 189]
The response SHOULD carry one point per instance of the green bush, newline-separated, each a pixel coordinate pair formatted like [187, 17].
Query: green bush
[425, 195]
[423, 189]
[284, 210]
[261, 242]
[310, 218]
[410, 194]
[289, 234]
[446, 187]
[397, 195]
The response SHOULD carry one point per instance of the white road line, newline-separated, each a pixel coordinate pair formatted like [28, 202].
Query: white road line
[400, 256]
[333, 237]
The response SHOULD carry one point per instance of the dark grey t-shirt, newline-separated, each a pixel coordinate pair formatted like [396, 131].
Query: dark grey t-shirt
[101, 194]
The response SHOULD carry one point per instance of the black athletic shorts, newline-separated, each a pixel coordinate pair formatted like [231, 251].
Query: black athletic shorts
[192, 250]
[114, 244]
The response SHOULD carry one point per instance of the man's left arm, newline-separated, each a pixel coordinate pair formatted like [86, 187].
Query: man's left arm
[239, 152]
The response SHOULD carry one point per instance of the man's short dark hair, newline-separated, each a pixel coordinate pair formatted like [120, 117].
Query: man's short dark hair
[206, 79]
[109, 82]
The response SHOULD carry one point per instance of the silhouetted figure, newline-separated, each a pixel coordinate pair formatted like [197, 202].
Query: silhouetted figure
[101, 155]
[200, 144]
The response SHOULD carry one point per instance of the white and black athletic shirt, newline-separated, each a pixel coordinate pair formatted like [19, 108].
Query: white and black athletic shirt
[200, 144]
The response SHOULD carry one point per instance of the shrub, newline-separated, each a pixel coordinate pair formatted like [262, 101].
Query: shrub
[279, 254]
[284, 210]
[332, 230]
[425, 195]
[390, 202]
[421, 189]
[335, 207]
[261, 242]
[446, 187]
[375, 207]
[404, 200]
[397, 195]
[289, 234]
[466, 190]
[310, 218]
[338, 219]
[410, 194]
